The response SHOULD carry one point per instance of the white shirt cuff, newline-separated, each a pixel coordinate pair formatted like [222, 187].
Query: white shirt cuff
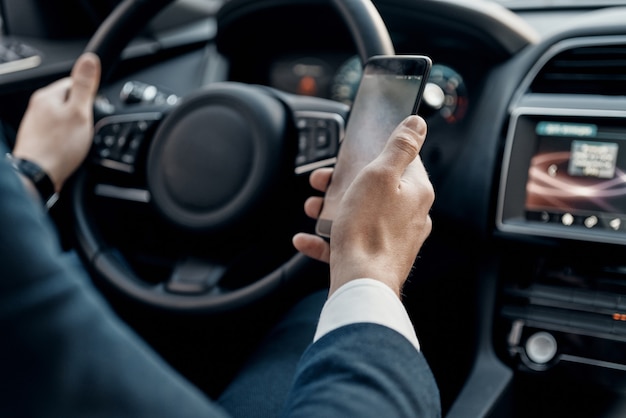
[369, 301]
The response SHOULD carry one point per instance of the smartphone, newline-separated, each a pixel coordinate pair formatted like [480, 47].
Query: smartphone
[390, 90]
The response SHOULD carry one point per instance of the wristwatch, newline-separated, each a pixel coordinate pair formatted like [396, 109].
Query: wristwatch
[37, 176]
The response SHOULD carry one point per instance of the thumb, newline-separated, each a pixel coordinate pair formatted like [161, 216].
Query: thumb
[85, 78]
[403, 145]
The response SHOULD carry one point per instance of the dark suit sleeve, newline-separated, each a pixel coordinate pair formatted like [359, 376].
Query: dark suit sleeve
[363, 370]
[63, 353]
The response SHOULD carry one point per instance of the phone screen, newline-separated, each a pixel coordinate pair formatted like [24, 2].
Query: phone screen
[389, 91]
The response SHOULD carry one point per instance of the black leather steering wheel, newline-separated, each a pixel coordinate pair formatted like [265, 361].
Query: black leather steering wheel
[214, 165]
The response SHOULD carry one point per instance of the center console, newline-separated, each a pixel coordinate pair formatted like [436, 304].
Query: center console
[563, 297]
[565, 175]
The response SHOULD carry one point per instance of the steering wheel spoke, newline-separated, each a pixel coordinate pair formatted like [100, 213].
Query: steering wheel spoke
[120, 139]
[320, 125]
[193, 276]
[319, 134]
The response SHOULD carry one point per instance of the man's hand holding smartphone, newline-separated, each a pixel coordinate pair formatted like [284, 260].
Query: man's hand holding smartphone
[383, 218]
[390, 89]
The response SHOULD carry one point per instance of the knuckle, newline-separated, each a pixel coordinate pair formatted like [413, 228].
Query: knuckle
[407, 144]
[379, 174]
[429, 192]
[425, 192]
[78, 114]
[428, 225]
[39, 98]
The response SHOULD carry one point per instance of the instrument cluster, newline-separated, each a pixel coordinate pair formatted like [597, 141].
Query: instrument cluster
[337, 76]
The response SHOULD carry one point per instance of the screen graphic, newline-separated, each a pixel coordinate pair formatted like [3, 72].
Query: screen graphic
[577, 175]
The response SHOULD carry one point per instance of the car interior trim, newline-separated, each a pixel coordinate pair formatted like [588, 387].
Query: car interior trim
[122, 193]
[19, 65]
[553, 51]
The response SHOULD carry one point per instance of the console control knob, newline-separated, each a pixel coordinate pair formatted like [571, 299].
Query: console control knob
[134, 92]
[541, 347]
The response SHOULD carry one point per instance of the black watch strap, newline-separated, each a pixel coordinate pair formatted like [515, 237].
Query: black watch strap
[37, 176]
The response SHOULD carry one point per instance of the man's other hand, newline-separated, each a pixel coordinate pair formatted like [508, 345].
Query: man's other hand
[57, 128]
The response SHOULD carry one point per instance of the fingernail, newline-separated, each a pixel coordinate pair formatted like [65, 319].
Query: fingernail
[89, 68]
[415, 123]
[89, 64]
[411, 121]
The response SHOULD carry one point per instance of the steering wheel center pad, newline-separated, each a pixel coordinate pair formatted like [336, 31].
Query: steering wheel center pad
[217, 157]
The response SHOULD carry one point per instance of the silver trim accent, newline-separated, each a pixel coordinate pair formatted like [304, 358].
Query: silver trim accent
[302, 169]
[544, 230]
[116, 165]
[574, 359]
[20, 64]
[592, 362]
[131, 117]
[122, 193]
[515, 335]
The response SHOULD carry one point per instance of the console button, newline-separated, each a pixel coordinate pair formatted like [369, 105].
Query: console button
[541, 347]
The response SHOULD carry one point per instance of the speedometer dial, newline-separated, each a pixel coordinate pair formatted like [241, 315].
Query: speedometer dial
[446, 94]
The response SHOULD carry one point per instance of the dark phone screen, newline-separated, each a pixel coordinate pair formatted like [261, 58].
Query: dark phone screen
[389, 91]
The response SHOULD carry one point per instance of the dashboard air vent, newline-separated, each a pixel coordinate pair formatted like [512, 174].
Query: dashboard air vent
[585, 70]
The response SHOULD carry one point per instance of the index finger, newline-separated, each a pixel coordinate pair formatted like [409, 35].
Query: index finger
[320, 178]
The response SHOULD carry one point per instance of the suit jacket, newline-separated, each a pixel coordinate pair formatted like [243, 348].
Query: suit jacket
[63, 353]
[363, 370]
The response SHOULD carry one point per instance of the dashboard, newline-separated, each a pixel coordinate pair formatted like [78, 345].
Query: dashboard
[321, 61]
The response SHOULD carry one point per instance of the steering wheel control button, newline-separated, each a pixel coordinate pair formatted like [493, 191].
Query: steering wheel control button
[118, 140]
[319, 136]
[541, 347]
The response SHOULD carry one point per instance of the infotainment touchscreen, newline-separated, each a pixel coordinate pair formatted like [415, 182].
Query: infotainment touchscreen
[566, 177]
[578, 170]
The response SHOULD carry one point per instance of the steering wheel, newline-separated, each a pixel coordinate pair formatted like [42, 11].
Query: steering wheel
[215, 168]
